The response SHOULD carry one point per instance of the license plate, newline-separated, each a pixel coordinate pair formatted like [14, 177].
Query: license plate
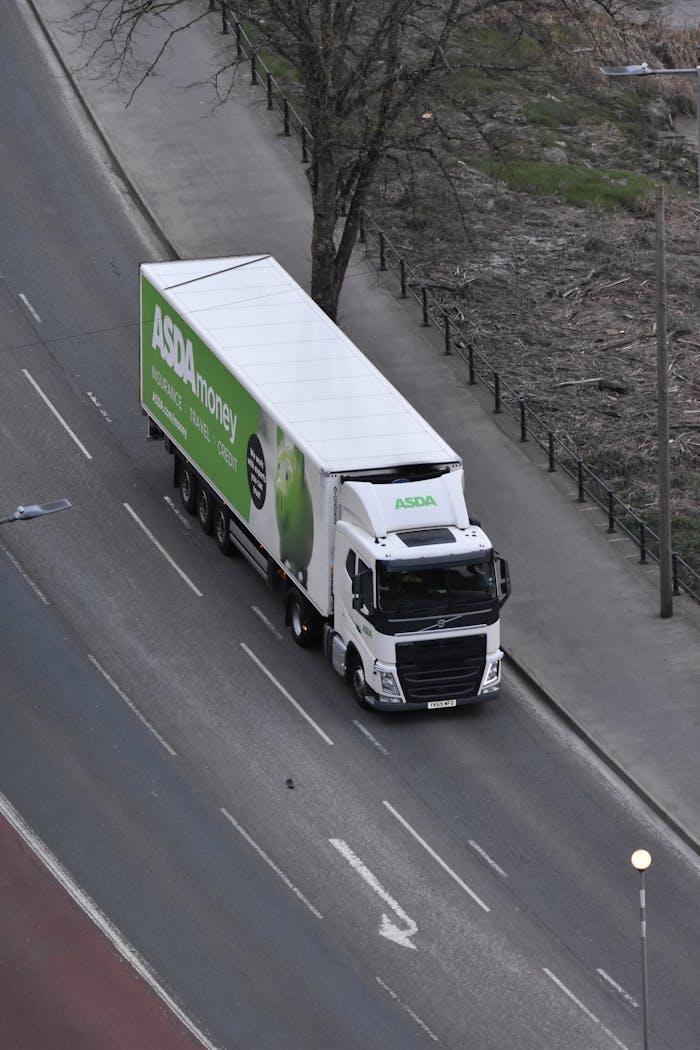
[433, 704]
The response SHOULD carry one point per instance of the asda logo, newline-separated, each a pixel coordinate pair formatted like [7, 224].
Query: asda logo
[177, 352]
[415, 501]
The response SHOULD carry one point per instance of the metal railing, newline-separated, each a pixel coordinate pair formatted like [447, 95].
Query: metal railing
[506, 398]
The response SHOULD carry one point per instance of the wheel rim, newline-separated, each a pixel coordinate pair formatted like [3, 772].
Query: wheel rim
[221, 526]
[203, 504]
[358, 682]
[296, 619]
[186, 486]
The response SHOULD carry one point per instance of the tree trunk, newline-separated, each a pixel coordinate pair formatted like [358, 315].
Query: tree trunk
[325, 286]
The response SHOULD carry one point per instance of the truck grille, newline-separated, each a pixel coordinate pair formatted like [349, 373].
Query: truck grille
[444, 669]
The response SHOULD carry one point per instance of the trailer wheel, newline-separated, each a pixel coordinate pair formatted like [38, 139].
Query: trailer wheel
[205, 509]
[358, 684]
[188, 488]
[222, 531]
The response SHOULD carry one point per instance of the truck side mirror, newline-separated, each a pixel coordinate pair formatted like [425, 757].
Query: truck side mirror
[503, 579]
[475, 521]
[362, 590]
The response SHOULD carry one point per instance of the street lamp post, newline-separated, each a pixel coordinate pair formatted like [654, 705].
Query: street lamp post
[643, 70]
[641, 859]
[664, 468]
[36, 510]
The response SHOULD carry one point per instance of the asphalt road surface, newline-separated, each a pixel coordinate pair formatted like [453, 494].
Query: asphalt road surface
[460, 881]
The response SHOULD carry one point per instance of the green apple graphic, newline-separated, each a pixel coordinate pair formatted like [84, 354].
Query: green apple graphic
[295, 519]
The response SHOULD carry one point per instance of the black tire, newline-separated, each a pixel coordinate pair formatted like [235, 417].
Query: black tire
[205, 509]
[222, 531]
[297, 620]
[188, 488]
[356, 678]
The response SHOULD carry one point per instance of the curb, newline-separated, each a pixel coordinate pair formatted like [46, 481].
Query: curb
[599, 751]
[114, 160]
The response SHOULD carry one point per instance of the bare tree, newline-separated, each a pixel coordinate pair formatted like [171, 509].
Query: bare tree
[359, 65]
[362, 69]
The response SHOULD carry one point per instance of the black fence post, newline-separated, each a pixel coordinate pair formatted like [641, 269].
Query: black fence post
[253, 67]
[402, 269]
[286, 117]
[304, 145]
[268, 77]
[550, 452]
[363, 231]
[382, 252]
[581, 492]
[239, 40]
[523, 420]
[674, 573]
[224, 17]
[424, 299]
[611, 510]
[496, 393]
[448, 338]
[472, 373]
[212, 5]
[642, 543]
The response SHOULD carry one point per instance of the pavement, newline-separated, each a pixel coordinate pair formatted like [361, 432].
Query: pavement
[583, 621]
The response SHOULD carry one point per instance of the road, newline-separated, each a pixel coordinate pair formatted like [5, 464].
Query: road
[495, 849]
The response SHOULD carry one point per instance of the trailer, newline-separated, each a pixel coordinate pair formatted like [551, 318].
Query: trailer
[294, 450]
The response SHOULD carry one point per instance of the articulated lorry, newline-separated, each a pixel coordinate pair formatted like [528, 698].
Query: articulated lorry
[294, 450]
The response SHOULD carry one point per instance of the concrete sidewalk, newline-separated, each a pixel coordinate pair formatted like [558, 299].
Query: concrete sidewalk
[583, 620]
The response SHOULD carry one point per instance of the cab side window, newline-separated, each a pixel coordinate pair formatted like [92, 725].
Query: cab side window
[350, 564]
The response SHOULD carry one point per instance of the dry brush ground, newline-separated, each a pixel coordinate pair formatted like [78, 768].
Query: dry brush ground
[562, 302]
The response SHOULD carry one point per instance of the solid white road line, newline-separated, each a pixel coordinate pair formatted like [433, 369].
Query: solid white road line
[618, 988]
[404, 1006]
[98, 917]
[163, 551]
[489, 860]
[286, 695]
[177, 512]
[435, 857]
[369, 736]
[268, 860]
[130, 704]
[57, 414]
[24, 576]
[387, 929]
[582, 1007]
[270, 626]
[29, 306]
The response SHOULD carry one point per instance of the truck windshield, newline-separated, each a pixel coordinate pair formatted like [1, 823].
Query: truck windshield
[452, 586]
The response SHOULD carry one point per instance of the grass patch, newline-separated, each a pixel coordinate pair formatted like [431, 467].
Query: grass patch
[553, 112]
[573, 183]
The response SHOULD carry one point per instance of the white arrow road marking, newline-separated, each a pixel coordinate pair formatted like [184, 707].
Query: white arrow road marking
[387, 929]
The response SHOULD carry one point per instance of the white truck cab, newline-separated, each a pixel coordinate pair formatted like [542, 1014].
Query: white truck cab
[417, 593]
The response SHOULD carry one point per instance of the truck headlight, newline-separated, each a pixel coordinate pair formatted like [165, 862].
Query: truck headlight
[492, 676]
[389, 686]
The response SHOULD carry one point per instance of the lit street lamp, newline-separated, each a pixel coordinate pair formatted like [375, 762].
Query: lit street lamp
[641, 859]
[644, 71]
[36, 511]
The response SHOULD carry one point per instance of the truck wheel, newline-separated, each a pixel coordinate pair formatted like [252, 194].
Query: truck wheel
[188, 488]
[356, 677]
[302, 620]
[222, 532]
[205, 509]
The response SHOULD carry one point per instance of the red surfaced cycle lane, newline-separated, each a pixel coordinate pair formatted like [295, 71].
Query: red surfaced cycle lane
[63, 985]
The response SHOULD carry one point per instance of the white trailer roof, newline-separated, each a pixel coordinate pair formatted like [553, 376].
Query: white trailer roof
[298, 364]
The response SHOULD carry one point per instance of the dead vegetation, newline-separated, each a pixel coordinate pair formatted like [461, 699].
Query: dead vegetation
[561, 299]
